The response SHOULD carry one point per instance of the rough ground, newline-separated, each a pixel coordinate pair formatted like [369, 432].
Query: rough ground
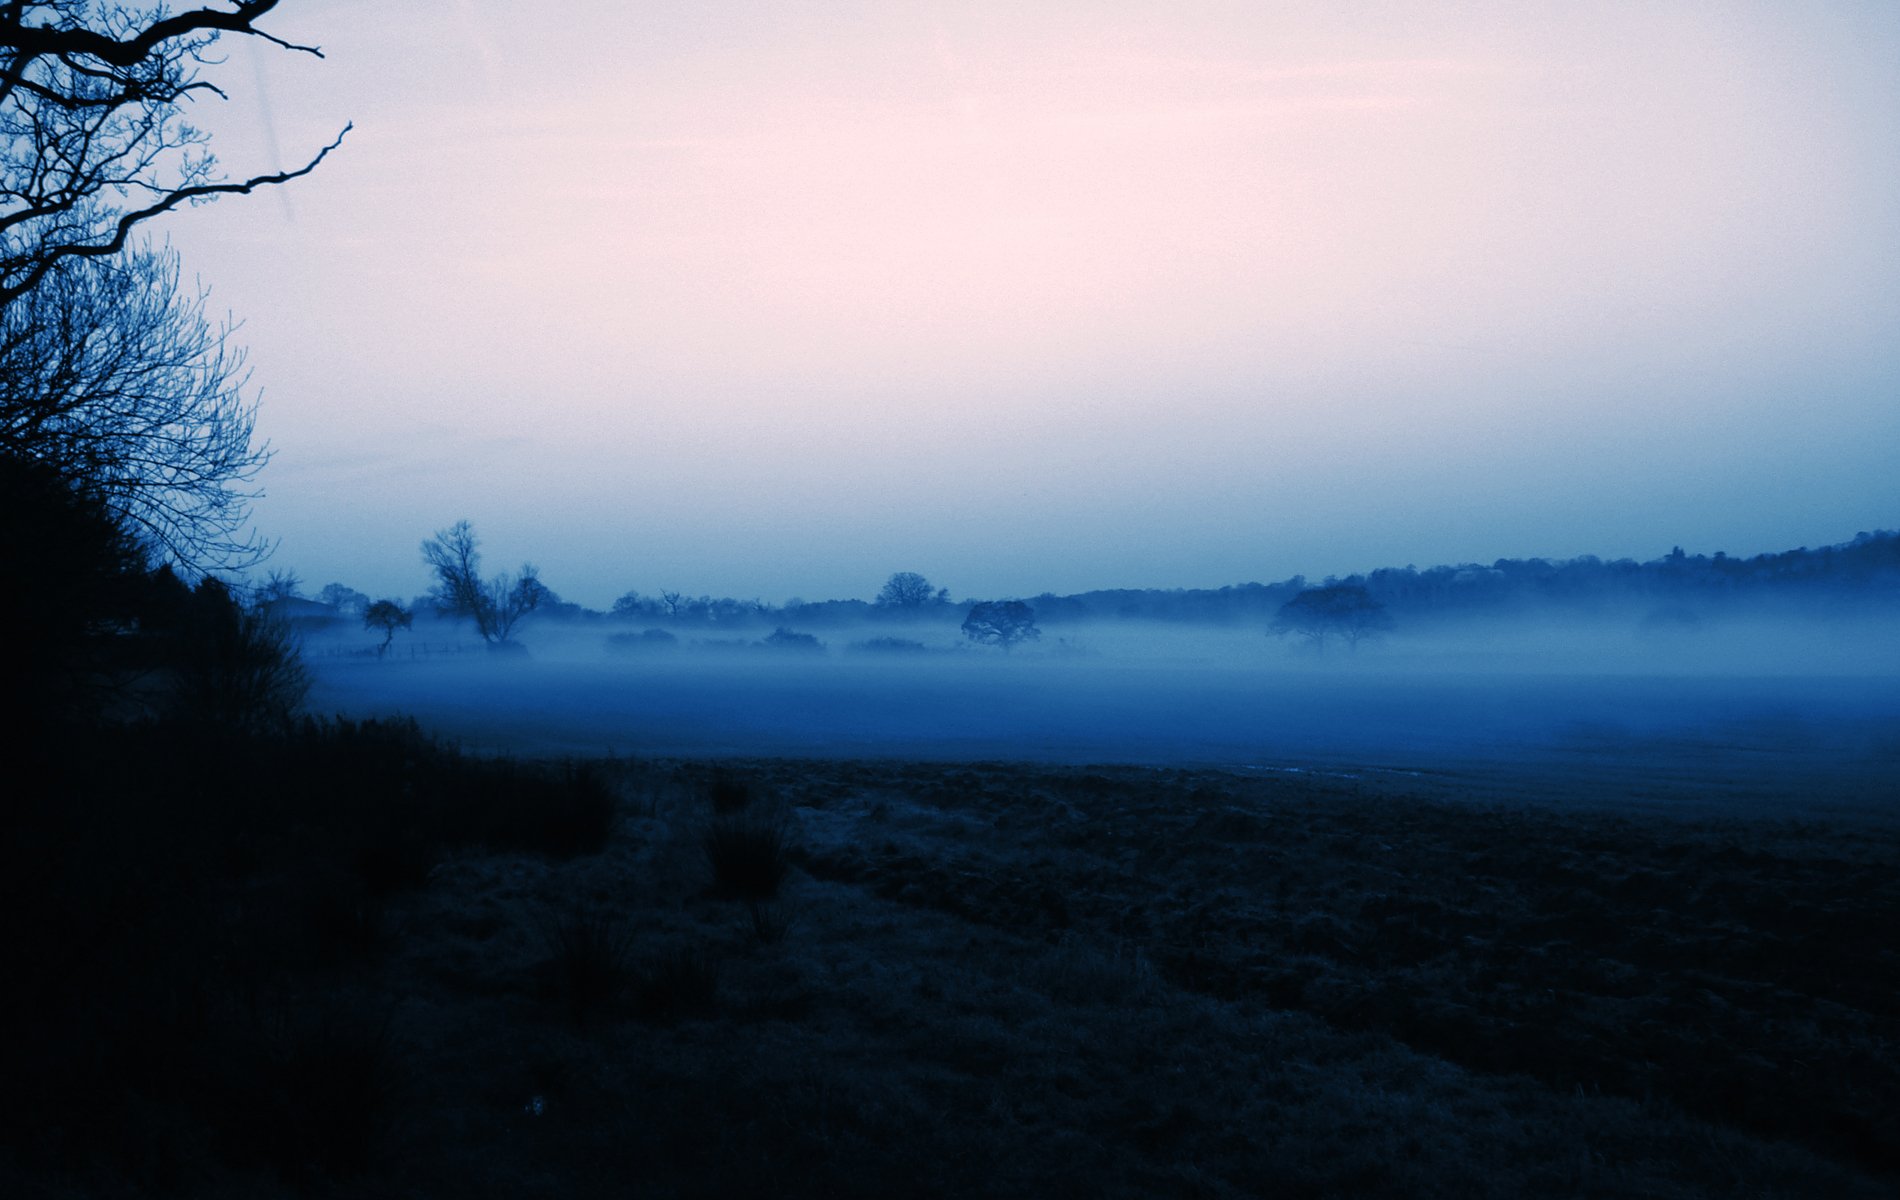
[998, 980]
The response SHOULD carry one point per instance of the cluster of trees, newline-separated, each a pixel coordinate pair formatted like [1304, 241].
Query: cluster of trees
[496, 605]
[905, 595]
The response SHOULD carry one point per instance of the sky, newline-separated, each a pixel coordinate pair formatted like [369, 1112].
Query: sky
[776, 299]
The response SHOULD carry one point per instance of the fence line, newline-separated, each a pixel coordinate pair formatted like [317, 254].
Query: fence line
[402, 650]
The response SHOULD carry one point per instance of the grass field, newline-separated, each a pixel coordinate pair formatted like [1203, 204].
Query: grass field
[807, 977]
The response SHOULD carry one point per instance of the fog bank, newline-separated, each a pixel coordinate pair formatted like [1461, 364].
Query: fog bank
[1805, 712]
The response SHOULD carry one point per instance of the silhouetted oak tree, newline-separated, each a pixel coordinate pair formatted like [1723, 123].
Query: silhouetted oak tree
[908, 589]
[1002, 623]
[1346, 611]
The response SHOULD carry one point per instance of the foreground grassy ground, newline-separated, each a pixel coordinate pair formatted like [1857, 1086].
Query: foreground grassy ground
[974, 980]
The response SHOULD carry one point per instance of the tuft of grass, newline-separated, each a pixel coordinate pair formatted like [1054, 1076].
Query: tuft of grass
[588, 959]
[749, 853]
[1076, 971]
[770, 921]
[728, 795]
[674, 986]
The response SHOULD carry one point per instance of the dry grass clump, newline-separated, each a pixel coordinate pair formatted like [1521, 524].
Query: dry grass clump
[1082, 971]
[749, 853]
[588, 963]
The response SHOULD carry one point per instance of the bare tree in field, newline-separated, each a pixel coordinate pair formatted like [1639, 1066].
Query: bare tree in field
[496, 605]
[388, 616]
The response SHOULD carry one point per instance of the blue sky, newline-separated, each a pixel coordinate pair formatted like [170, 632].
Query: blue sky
[777, 299]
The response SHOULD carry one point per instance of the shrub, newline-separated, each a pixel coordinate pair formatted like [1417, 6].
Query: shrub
[587, 963]
[784, 639]
[234, 667]
[770, 921]
[749, 854]
[646, 640]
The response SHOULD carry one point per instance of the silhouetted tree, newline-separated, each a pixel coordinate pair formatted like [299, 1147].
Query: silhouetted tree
[344, 599]
[495, 605]
[75, 580]
[279, 586]
[388, 616]
[909, 590]
[93, 136]
[632, 604]
[1002, 623]
[110, 372]
[1346, 611]
[235, 666]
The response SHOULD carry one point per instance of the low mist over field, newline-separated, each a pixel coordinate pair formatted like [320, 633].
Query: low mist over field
[1757, 681]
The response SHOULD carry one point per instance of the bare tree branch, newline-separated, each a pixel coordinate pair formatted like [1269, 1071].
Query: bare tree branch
[38, 40]
[128, 221]
[93, 136]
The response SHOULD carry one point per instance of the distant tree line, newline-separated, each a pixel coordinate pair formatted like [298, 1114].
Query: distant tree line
[1833, 579]
[1864, 571]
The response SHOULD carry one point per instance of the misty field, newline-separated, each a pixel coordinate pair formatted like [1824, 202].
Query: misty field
[1788, 719]
[1150, 919]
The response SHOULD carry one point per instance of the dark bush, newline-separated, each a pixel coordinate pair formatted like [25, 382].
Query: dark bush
[74, 580]
[749, 853]
[770, 921]
[395, 796]
[784, 639]
[588, 964]
[646, 641]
